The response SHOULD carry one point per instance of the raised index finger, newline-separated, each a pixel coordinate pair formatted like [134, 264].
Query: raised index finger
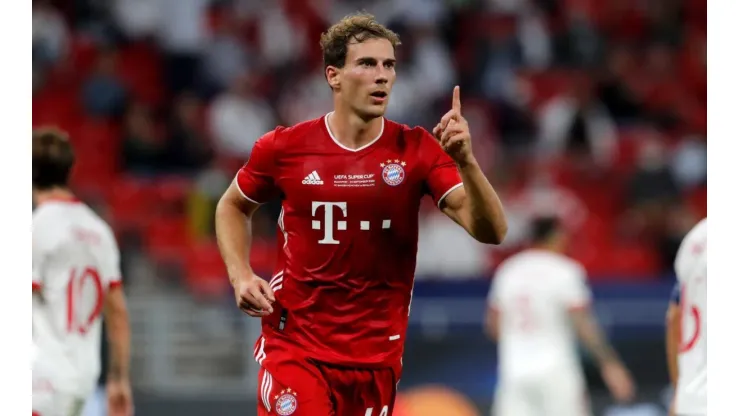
[456, 99]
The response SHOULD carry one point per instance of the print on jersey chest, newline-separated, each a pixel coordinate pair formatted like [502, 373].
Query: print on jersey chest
[371, 179]
[340, 195]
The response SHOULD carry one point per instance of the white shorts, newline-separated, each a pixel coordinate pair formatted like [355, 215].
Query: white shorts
[51, 397]
[556, 395]
[48, 402]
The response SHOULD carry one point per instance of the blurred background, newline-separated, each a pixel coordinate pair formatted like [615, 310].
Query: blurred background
[591, 110]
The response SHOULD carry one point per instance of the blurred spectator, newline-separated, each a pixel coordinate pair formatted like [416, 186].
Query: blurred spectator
[689, 164]
[541, 196]
[618, 99]
[137, 18]
[498, 55]
[103, 93]
[430, 63]
[143, 148]
[183, 33]
[447, 251]
[226, 57]
[50, 36]
[238, 117]
[652, 183]
[281, 40]
[537, 87]
[578, 123]
[187, 149]
[308, 96]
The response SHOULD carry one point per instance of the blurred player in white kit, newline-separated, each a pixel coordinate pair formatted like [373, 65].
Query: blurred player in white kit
[76, 279]
[691, 270]
[539, 300]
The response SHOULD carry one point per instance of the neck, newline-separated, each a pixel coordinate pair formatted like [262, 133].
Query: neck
[548, 246]
[351, 130]
[41, 196]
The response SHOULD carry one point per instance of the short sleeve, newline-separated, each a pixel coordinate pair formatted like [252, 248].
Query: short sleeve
[255, 180]
[42, 246]
[443, 176]
[111, 262]
[575, 291]
[39, 255]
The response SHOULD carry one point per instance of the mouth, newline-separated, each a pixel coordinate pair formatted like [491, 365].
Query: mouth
[379, 96]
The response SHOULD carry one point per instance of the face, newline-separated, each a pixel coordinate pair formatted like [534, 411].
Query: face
[364, 84]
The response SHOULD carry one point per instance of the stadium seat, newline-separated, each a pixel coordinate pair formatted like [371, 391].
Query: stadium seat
[167, 239]
[205, 272]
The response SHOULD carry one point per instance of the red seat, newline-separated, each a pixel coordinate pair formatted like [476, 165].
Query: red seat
[131, 201]
[168, 239]
[206, 274]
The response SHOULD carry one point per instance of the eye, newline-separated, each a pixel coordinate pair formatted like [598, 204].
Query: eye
[390, 65]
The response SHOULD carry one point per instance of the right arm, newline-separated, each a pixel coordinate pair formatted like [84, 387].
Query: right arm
[672, 335]
[119, 334]
[115, 313]
[614, 373]
[254, 182]
[234, 232]
[576, 297]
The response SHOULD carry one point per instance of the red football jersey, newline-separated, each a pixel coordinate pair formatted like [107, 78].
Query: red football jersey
[348, 234]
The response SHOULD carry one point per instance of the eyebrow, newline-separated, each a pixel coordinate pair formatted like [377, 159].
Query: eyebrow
[370, 58]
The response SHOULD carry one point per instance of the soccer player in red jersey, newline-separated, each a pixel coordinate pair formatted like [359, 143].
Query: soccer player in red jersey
[335, 312]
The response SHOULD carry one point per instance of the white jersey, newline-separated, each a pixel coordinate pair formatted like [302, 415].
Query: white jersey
[533, 292]
[75, 261]
[691, 269]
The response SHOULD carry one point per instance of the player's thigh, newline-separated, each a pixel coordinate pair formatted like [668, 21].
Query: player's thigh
[56, 404]
[513, 400]
[363, 392]
[292, 390]
[565, 397]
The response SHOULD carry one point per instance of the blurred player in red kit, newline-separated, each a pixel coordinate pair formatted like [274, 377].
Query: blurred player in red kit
[335, 312]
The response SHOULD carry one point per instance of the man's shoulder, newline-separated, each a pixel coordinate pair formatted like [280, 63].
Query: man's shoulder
[285, 137]
[312, 126]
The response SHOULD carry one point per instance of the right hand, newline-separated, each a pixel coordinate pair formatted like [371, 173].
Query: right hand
[619, 381]
[120, 401]
[254, 296]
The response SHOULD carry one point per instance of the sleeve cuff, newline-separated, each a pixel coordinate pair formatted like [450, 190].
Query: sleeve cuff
[236, 183]
[444, 195]
[36, 286]
[115, 283]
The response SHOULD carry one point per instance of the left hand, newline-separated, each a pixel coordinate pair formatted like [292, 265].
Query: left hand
[120, 402]
[453, 133]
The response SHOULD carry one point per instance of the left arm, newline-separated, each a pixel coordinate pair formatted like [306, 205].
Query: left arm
[672, 335]
[475, 206]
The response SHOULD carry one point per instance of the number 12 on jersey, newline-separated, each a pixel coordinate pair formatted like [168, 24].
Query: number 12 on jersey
[78, 281]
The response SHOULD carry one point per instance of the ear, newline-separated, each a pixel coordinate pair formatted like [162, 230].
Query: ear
[333, 76]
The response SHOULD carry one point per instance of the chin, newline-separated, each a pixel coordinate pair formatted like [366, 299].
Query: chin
[372, 112]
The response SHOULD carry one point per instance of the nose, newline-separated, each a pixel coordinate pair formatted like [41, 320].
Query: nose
[381, 77]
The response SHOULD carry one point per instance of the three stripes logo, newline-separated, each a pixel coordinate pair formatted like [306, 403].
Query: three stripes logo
[312, 179]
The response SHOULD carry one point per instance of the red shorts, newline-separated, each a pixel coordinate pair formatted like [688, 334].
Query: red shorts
[302, 387]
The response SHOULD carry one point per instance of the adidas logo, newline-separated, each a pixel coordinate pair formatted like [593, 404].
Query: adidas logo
[312, 179]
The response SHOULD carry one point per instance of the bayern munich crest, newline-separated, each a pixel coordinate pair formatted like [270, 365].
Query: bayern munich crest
[393, 173]
[286, 403]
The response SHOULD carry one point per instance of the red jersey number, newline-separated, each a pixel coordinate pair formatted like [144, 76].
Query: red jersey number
[78, 281]
[690, 312]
